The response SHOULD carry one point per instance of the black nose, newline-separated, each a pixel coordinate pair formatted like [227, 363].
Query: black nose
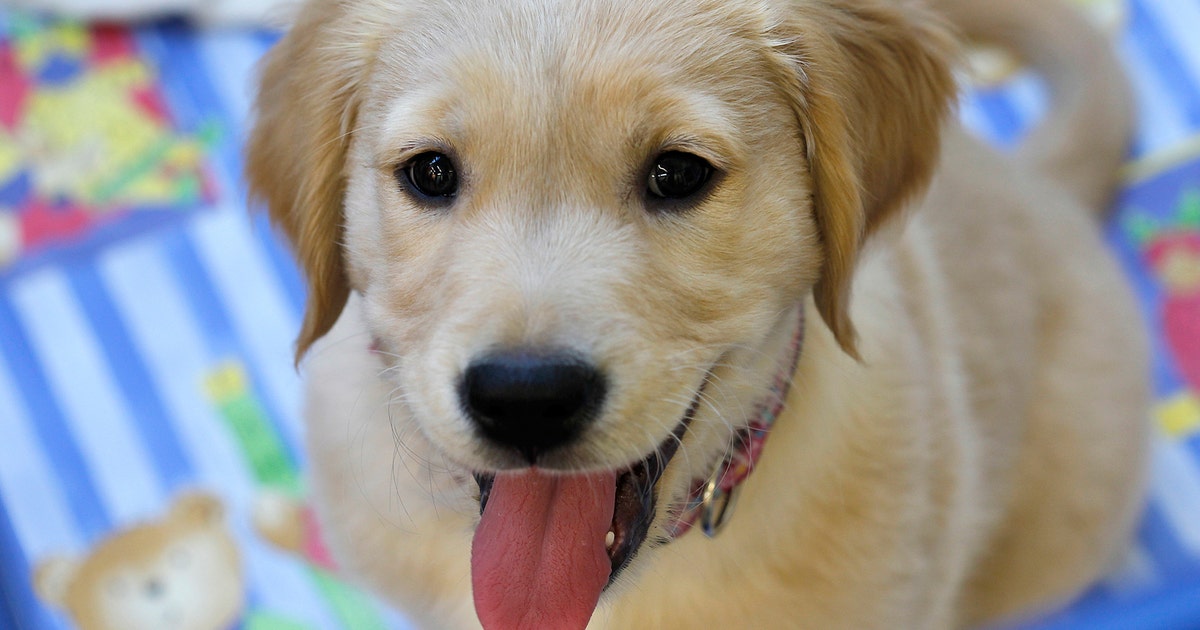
[531, 401]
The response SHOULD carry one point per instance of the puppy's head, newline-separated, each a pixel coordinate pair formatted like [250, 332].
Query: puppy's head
[581, 229]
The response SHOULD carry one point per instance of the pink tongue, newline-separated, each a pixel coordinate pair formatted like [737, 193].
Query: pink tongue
[538, 559]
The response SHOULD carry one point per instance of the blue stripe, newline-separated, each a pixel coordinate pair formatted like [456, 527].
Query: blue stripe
[1175, 607]
[1161, 543]
[51, 426]
[127, 366]
[160, 42]
[19, 606]
[1192, 444]
[219, 332]
[1005, 120]
[282, 261]
[1155, 44]
[267, 38]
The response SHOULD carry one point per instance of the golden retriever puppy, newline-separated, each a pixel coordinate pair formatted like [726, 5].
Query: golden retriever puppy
[571, 262]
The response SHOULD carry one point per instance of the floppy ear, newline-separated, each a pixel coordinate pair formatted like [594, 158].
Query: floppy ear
[307, 106]
[53, 577]
[197, 508]
[871, 84]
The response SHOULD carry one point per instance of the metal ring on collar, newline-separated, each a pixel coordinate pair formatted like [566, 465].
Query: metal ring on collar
[716, 505]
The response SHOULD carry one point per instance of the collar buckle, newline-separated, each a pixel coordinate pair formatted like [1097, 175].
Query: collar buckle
[716, 503]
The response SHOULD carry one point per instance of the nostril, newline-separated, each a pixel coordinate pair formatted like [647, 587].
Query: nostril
[531, 401]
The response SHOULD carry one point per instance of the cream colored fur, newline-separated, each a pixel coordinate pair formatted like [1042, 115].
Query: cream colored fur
[964, 439]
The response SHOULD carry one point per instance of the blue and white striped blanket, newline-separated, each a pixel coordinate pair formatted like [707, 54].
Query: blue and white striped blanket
[147, 320]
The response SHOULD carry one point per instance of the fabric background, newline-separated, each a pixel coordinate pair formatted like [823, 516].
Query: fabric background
[147, 319]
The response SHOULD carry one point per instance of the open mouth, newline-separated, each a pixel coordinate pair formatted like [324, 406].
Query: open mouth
[548, 544]
[636, 497]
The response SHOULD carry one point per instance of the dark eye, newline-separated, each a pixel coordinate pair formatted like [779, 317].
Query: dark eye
[678, 175]
[432, 174]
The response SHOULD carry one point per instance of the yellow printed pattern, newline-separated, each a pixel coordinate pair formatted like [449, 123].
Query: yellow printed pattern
[226, 383]
[85, 134]
[1179, 416]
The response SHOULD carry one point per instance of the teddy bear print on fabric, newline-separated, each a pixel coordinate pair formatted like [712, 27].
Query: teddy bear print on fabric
[179, 573]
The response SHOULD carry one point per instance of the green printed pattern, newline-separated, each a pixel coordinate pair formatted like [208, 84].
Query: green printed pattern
[269, 461]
